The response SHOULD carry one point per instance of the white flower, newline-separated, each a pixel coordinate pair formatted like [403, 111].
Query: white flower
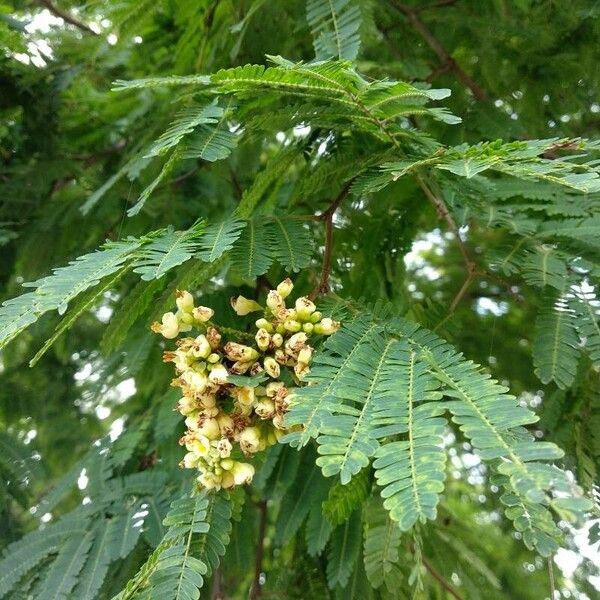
[305, 355]
[304, 308]
[265, 408]
[224, 447]
[249, 440]
[200, 446]
[272, 367]
[210, 429]
[201, 347]
[327, 326]
[196, 381]
[275, 302]
[190, 461]
[203, 314]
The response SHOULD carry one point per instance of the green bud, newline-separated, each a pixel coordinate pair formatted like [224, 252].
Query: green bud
[264, 324]
[308, 327]
[316, 317]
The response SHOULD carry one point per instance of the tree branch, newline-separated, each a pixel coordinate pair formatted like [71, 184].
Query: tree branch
[413, 18]
[260, 548]
[327, 217]
[440, 579]
[66, 17]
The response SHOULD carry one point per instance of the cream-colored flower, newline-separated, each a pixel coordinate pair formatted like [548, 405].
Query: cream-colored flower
[265, 408]
[195, 381]
[263, 339]
[245, 395]
[190, 461]
[169, 326]
[209, 481]
[209, 429]
[226, 424]
[264, 324]
[304, 308]
[275, 302]
[305, 355]
[224, 447]
[277, 340]
[273, 388]
[249, 440]
[272, 367]
[242, 473]
[200, 445]
[327, 326]
[218, 374]
[203, 314]
[243, 306]
[239, 352]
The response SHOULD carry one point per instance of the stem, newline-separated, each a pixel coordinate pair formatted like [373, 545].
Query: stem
[262, 526]
[66, 17]
[216, 592]
[551, 579]
[440, 579]
[327, 217]
[413, 18]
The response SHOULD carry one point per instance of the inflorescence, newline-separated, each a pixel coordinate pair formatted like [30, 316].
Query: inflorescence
[235, 395]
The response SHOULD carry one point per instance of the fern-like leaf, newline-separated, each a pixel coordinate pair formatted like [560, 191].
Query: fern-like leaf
[343, 500]
[292, 243]
[251, 254]
[334, 26]
[344, 548]
[219, 238]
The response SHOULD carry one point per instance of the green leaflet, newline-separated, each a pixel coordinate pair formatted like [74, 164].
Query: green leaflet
[344, 548]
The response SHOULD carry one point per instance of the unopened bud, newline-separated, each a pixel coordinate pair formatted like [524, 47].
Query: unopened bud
[242, 473]
[308, 328]
[272, 367]
[301, 369]
[276, 340]
[284, 289]
[316, 317]
[243, 306]
[273, 388]
[203, 314]
[292, 326]
[226, 424]
[327, 326]
[304, 308]
[184, 301]
[213, 358]
[263, 339]
[190, 461]
[240, 367]
[209, 481]
[196, 381]
[210, 428]
[275, 302]
[264, 324]
[227, 464]
[305, 355]
[227, 480]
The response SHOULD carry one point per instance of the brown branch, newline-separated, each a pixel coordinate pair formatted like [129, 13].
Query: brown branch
[217, 592]
[440, 579]
[66, 17]
[438, 4]
[260, 548]
[327, 217]
[413, 18]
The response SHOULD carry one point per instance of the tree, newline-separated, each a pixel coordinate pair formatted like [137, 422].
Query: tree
[437, 435]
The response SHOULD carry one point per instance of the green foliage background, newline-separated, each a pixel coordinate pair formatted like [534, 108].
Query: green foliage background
[135, 127]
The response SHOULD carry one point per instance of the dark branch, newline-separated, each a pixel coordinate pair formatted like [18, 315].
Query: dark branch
[440, 579]
[260, 548]
[447, 61]
[66, 17]
[327, 217]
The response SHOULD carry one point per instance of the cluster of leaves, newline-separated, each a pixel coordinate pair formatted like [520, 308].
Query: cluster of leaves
[223, 180]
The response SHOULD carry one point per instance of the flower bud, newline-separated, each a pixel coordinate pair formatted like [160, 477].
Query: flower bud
[308, 328]
[275, 302]
[316, 317]
[186, 405]
[280, 329]
[256, 369]
[292, 325]
[327, 326]
[227, 464]
[239, 352]
[210, 429]
[276, 340]
[218, 375]
[184, 301]
[249, 440]
[305, 355]
[227, 480]
[263, 339]
[296, 343]
[304, 308]
[169, 328]
[224, 447]
[278, 422]
[192, 421]
[201, 348]
[203, 314]
[185, 320]
[242, 473]
[213, 358]
[283, 359]
[243, 306]
[285, 288]
[207, 400]
[264, 324]
[209, 481]
[265, 408]
[272, 367]
[213, 337]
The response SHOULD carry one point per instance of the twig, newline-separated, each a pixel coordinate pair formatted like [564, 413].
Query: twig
[262, 527]
[327, 217]
[551, 579]
[413, 18]
[438, 4]
[440, 579]
[216, 592]
[66, 17]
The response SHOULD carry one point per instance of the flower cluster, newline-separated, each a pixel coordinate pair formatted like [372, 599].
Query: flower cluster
[234, 395]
